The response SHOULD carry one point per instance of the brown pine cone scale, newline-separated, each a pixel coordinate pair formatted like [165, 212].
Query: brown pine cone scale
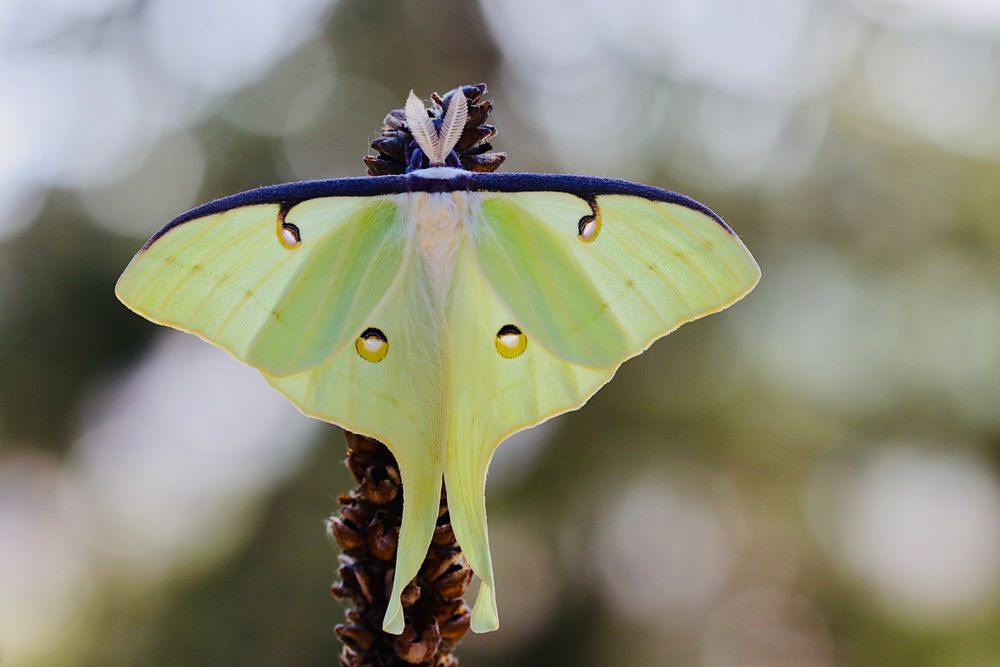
[367, 530]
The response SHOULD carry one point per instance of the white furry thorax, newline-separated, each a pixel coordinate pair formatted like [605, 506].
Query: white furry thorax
[438, 224]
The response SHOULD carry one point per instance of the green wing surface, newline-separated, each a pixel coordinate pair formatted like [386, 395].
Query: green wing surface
[490, 397]
[290, 310]
[584, 307]
[651, 267]
[228, 278]
[400, 401]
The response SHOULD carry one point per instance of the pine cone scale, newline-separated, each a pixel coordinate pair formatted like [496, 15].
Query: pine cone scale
[367, 530]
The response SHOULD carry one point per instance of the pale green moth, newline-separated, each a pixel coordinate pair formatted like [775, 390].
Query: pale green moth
[441, 310]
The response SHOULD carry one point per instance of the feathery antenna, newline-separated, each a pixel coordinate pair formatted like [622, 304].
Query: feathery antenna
[422, 128]
[452, 131]
[454, 122]
[437, 140]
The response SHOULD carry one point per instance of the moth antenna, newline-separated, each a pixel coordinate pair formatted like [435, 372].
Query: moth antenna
[422, 128]
[454, 122]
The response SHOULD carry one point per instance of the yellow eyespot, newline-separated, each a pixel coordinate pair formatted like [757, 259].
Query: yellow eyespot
[510, 341]
[590, 225]
[289, 236]
[372, 345]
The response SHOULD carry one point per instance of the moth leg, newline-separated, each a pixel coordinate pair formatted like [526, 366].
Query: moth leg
[421, 477]
[465, 480]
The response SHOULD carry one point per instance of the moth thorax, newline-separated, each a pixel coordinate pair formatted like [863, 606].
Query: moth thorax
[438, 226]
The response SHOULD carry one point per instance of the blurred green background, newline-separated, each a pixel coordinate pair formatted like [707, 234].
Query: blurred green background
[808, 479]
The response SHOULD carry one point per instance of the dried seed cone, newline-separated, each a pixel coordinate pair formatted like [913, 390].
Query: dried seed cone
[395, 144]
[367, 530]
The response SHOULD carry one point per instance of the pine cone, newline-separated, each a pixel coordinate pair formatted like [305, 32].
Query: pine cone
[367, 529]
[395, 144]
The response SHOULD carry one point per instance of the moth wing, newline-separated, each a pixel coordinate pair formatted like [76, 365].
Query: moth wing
[294, 309]
[491, 396]
[279, 289]
[583, 306]
[397, 400]
[647, 267]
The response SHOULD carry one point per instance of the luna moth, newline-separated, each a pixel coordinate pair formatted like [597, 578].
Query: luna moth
[440, 310]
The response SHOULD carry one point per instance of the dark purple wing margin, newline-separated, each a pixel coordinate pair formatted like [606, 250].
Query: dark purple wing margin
[289, 194]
